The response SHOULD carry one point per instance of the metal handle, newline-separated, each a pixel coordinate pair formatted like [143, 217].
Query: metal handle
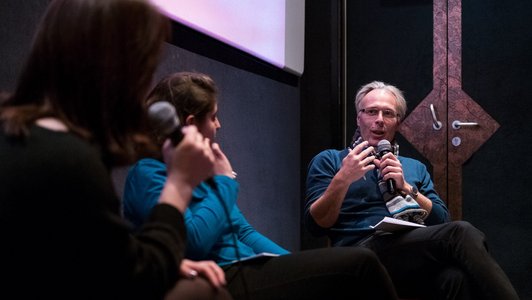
[457, 124]
[435, 123]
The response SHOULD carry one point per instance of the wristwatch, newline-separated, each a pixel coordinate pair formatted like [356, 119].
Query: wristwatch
[414, 192]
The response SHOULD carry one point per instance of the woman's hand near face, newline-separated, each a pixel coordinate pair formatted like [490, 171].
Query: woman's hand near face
[222, 166]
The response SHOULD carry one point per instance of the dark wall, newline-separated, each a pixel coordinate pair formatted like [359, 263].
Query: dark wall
[497, 71]
[321, 99]
[18, 19]
[258, 108]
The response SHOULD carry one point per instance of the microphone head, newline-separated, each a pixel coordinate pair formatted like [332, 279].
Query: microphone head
[384, 147]
[163, 118]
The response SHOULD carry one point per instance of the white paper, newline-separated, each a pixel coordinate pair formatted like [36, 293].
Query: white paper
[392, 224]
[257, 256]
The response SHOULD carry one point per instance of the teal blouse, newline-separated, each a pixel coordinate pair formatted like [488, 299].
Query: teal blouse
[209, 233]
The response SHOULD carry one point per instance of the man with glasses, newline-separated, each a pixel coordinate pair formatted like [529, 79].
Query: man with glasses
[345, 198]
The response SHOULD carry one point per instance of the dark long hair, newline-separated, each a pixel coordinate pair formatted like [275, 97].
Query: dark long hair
[91, 65]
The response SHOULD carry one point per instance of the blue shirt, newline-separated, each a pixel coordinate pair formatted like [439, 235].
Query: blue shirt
[363, 205]
[209, 234]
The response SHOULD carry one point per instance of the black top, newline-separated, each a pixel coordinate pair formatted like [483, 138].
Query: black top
[61, 232]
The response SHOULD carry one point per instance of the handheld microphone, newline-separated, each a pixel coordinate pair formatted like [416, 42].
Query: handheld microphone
[164, 120]
[384, 147]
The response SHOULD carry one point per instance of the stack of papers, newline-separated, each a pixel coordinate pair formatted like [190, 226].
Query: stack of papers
[257, 256]
[391, 225]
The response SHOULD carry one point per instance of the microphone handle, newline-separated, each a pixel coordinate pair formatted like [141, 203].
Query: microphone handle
[211, 183]
[176, 136]
[391, 186]
[390, 183]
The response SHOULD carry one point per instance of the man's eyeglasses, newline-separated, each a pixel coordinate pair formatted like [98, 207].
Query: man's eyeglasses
[386, 113]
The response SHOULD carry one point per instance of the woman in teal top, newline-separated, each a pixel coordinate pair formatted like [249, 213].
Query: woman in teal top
[328, 273]
[209, 235]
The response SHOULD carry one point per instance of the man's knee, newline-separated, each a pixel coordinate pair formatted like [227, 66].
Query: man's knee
[467, 236]
[465, 229]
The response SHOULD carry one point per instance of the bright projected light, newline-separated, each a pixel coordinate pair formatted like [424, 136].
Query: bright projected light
[272, 30]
